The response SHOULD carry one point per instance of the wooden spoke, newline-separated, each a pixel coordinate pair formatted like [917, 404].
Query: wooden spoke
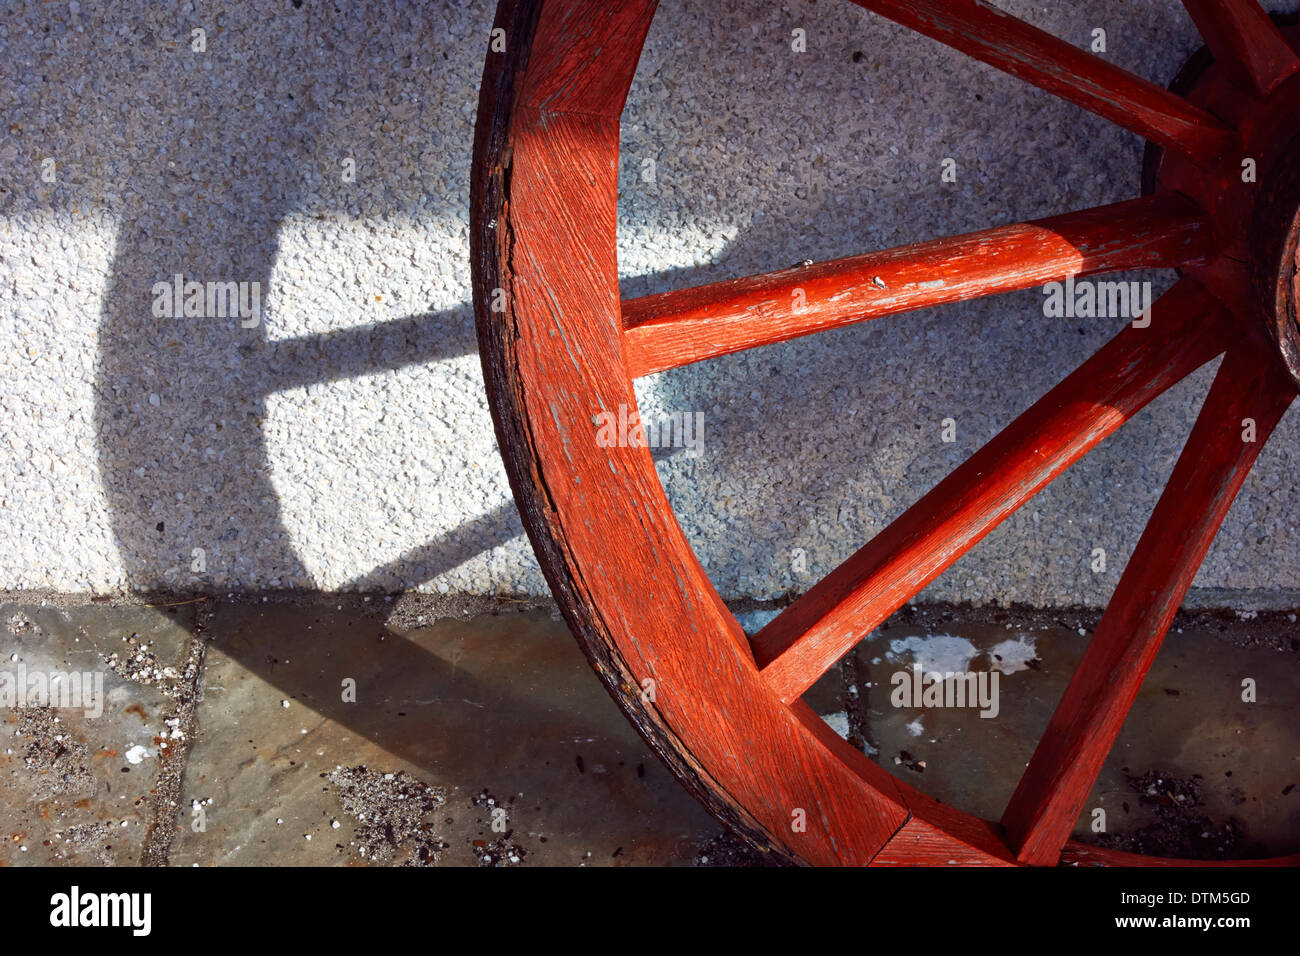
[1213, 465]
[1240, 33]
[804, 640]
[1051, 64]
[676, 328]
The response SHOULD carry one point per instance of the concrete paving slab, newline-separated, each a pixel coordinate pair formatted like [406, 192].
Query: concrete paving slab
[453, 727]
[355, 731]
[89, 729]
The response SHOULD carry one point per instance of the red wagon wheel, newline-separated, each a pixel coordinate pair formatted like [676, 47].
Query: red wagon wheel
[559, 348]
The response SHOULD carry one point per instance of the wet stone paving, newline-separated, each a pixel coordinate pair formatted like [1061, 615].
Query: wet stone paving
[393, 730]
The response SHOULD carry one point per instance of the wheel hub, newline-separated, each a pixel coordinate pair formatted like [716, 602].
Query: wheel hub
[1252, 196]
[1276, 281]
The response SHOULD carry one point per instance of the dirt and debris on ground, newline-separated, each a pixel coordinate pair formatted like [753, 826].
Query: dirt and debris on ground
[727, 849]
[56, 759]
[1181, 828]
[392, 813]
[90, 841]
[494, 846]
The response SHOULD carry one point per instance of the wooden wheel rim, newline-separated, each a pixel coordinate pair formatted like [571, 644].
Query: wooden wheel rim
[556, 354]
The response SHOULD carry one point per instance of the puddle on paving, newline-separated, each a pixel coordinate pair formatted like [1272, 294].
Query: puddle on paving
[1196, 771]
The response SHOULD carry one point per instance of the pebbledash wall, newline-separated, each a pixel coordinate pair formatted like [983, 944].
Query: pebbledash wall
[325, 425]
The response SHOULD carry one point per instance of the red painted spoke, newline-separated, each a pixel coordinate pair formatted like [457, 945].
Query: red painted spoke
[676, 328]
[1051, 64]
[1240, 33]
[801, 643]
[1213, 465]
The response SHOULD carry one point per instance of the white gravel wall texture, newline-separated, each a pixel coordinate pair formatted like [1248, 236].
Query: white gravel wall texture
[344, 442]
